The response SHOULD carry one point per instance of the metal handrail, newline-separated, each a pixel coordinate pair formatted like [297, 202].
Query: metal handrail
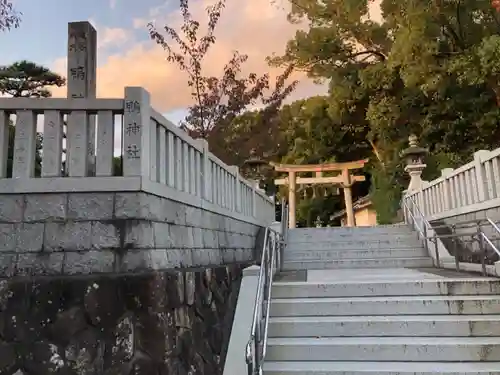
[272, 255]
[479, 235]
[488, 240]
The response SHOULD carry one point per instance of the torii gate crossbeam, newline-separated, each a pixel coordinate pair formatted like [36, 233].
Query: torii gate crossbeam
[344, 179]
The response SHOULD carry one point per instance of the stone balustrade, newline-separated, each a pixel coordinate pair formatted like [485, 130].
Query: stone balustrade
[472, 187]
[468, 194]
[174, 205]
[157, 156]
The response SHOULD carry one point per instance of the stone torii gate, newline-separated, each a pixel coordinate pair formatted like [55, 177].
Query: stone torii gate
[344, 178]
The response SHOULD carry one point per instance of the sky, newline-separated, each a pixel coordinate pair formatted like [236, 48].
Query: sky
[127, 56]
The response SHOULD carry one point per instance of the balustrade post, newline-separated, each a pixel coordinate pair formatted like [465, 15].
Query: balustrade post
[254, 200]
[4, 143]
[136, 132]
[23, 165]
[236, 188]
[448, 204]
[206, 185]
[481, 182]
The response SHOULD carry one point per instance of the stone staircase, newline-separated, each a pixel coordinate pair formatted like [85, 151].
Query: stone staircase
[360, 301]
[358, 247]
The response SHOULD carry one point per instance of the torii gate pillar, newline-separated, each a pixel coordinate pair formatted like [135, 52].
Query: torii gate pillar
[292, 196]
[344, 179]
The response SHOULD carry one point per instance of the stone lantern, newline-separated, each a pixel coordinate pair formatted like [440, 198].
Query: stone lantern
[415, 165]
[256, 169]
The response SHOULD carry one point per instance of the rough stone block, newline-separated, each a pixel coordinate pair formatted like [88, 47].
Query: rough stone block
[173, 212]
[46, 207]
[208, 220]
[246, 242]
[105, 235]
[234, 226]
[159, 260]
[233, 240]
[89, 262]
[210, 240]
[68, 236]
[7, 237]
[180, 237]
[193, 216]
[40, 264]
[134, 206]
[219, 222]
[228, 255]
[86, 206]
[149, 260]
[197, 237]
[182, 257]
[7, 264]
[139, 235]
[250, 229]
[244, 255]
[206, 257]
[222, 239]
[12, 208]
[162, 235]
[140, 206]
[29, 237]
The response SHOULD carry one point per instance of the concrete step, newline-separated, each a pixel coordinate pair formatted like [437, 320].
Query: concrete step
[357, 244]
[418, 349]
[383, 326]
[326, 234]
[371, 288]
[359, 263]
[381, 368]
[314, 254]
[408, 305]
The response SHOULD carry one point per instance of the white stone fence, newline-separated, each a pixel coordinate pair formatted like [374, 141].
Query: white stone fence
[472, 187]
[158, 157]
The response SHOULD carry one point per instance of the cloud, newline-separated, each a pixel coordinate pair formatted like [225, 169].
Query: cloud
[112, 37]
[258, 29]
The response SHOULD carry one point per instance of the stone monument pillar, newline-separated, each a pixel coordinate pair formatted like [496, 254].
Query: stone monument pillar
[82, 72]
[414, 164]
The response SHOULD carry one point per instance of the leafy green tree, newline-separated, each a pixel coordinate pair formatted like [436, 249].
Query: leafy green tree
[9, 17]
[28, 80]
[429, 67]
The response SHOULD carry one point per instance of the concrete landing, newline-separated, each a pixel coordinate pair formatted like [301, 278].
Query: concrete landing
[388, 274]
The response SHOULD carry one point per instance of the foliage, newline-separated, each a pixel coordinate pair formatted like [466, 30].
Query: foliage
[217, 100]
[9, 17]
[28, 79]
[428, 67]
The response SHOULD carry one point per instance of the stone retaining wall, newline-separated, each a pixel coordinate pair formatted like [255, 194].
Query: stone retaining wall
[119, 233]
[174, 323]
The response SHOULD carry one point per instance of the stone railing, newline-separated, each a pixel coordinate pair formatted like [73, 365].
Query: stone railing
[458, 205]
[157, 157]
[472, 187]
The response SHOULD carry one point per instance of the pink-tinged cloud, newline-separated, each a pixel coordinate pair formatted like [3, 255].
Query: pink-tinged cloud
[257, 28]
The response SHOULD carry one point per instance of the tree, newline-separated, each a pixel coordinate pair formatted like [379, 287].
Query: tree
[28, 79]
[429, 67]
[217, 100]
[9, 17]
